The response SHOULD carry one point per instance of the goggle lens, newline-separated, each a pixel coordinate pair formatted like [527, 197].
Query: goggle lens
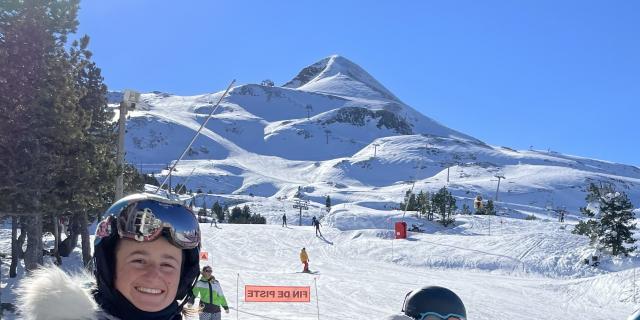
[145, 218]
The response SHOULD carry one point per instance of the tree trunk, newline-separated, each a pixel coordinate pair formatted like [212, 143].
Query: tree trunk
[15, 256]
[56, 239]
[21, 238]
[70, 243]
[86, 243]
[33, 255]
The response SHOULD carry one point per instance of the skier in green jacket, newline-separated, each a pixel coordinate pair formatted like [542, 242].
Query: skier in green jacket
[211, 296]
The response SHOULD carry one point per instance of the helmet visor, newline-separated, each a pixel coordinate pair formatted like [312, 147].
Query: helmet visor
[147, 218]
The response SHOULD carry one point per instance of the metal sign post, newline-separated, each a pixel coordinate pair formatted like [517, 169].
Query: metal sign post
[128, 102]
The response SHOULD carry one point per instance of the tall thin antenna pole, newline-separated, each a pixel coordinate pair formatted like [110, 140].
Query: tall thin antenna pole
[173, 167]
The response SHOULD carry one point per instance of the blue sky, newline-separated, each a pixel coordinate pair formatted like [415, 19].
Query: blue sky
[559, 75]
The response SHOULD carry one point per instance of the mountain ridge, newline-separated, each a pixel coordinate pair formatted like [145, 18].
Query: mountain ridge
[267, 140]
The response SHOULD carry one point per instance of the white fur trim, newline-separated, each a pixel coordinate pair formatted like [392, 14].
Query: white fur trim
[51, 294]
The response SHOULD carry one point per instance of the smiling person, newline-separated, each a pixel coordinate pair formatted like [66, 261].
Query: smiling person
[145, 266]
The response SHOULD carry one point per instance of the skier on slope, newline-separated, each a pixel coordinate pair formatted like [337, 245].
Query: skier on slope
[316, 223]
[213, 221]
[431, 303]
[304, 258]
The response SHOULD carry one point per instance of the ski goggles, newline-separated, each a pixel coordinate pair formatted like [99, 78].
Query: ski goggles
[437, 316]
[431, 315]
[146, 217]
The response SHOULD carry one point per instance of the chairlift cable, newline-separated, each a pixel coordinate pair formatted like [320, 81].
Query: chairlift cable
[173, 167]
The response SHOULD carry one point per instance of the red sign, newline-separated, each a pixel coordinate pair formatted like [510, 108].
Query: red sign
[276, 294]
[204, 255]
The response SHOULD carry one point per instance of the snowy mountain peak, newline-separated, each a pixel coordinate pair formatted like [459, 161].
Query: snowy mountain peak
[340, 76]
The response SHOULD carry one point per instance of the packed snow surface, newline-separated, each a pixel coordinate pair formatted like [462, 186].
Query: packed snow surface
[501, 267]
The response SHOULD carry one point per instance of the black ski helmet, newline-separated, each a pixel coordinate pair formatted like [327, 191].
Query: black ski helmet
[107, 237]
[433, 300]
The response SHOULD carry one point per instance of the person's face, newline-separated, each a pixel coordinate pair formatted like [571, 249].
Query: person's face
[206, 273]
[148, 273]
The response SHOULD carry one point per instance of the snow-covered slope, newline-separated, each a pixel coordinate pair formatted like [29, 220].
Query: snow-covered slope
[335, 130]
[515, 270]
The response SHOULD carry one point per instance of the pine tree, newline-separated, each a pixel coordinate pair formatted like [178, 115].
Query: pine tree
[225, 212]
[444, 204]
[489, 208]
[422, 203]
[430, 206]
[246, 211]
[257, 219]
[465, 209]
[94, 166]
[133, 180]
[616, 223]
[410, 203]
[327, 204]
[202, 213]
[591, 226]
[407, 196]
[39, 112]
[236, 215]
[610, 220]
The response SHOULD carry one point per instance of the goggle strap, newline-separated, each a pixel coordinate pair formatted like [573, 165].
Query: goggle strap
[405, 300]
